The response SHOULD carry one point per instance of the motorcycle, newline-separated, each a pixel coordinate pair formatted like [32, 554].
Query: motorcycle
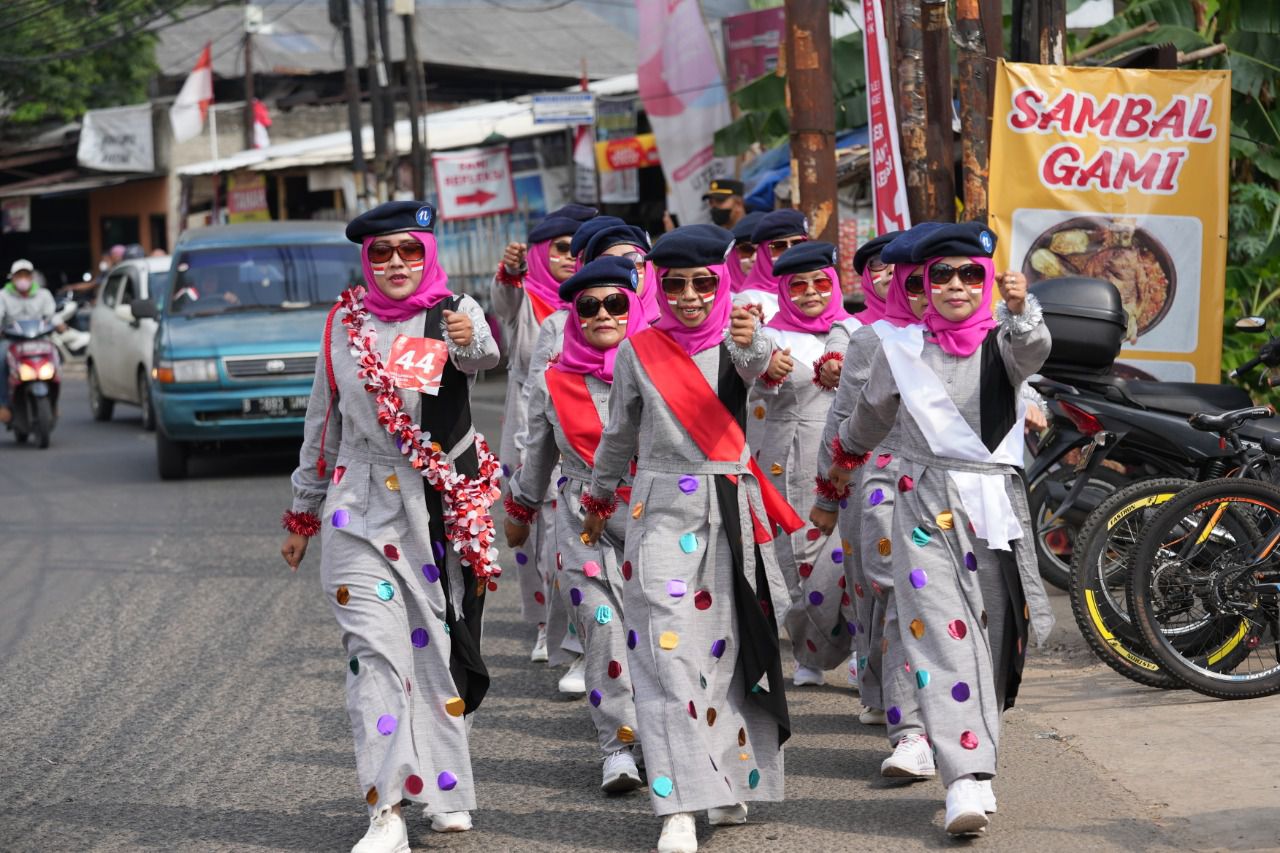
[35, 379]
[72, 343]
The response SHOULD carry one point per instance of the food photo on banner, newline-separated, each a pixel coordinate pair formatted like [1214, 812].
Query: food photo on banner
[1130, 186]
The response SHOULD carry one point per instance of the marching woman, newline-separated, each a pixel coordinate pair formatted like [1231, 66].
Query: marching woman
[569, 406]
[700, 582]
[744, 251]
[809, 307]
[630, 242]
[777, 231]
[524, 294]
[390, 451]
[866, 523]
[964, 567]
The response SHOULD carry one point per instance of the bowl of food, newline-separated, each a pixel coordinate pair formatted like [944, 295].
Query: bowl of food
[1114, 249]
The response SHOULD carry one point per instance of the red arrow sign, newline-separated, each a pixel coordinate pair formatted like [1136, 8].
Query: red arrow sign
[478, 197]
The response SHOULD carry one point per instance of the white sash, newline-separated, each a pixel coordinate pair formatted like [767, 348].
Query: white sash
[984, 496]
[768, 301]
[851, 324]
[806, 347]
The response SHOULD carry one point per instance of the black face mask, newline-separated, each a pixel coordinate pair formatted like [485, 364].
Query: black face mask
[854, 304]
[720, 215]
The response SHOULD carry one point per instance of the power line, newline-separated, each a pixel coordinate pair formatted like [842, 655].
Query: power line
[122, 16]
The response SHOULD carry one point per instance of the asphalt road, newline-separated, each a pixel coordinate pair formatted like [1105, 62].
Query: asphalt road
[167, 684]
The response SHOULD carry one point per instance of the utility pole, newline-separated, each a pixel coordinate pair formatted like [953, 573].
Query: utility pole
[388, 93]
[340, 17]
[376, 74]
[913, 113]
[935, 30]
[414, 85]
[1039, 31]
[252, 20]
[811, 102]
[976, 80]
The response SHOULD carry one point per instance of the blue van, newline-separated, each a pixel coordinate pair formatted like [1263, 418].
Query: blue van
[239, 332]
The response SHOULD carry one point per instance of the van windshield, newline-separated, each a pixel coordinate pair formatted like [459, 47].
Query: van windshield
[262, 278]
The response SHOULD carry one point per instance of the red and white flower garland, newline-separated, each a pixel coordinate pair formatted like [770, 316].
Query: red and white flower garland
[467, 521]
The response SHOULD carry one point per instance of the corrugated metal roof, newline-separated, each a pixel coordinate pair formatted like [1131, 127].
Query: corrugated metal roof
[481, 36]
[460, 128]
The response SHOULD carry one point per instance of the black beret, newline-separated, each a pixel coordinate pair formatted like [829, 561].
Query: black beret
[629, 235]
[779, 223]
[724, 187]
[561, 222]
[604, 271]
[590, 229]
[746, 226]
[691, 246]
[805, 257]
[871, 248]
[390, 217]
[899, 249]
[964, 239]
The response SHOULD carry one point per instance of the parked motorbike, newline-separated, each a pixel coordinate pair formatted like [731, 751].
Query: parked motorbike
[72, 343]
[35, 379]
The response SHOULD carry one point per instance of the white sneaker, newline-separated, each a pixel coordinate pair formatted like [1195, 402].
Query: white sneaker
[451, 821]
[965, 814]
[734, 815]
[574, 682]
[872, 717]
[806, 677]
[988, 796]
[539, 654]
[912, 759]
[679, 835]
[387, 834]
[620, 773]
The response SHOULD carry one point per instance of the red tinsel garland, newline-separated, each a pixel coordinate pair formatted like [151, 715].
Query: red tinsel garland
[817, 368]
[507, 278]
[303, 523]
[599, 506]
[844, 458]
[827, 490]
[518, 512]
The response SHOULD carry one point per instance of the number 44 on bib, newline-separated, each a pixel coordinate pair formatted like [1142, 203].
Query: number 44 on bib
[416, 364]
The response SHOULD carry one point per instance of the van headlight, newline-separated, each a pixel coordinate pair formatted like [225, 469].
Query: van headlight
[186, 370]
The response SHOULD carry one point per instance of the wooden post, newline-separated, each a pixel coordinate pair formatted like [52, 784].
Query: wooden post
[1052, 35]
[413, 69]
[976, 78]
[248, 83]
[375, 73]
[340, 17]
[282, 197]
[939, 112]
[912, 121]
[810, 88]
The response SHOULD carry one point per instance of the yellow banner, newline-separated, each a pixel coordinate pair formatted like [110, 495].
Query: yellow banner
[247, 197]
[1121, 175]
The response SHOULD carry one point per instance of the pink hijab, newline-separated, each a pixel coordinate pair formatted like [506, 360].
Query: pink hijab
[761, 276]
[875, 306]
[964, 337]
[711, 331]
[433, 288]
[649, 297]
[579, 356]
[539, 280]
[897, 304]
[792, 319]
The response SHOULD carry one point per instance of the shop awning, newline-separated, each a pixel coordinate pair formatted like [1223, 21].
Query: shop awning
[61, 183]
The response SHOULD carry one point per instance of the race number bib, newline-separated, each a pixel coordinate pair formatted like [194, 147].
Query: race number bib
[416, 364]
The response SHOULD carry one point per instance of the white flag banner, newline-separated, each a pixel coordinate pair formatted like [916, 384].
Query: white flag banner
[192, 104]
[685, 99]
[117, 140]
[584, 165]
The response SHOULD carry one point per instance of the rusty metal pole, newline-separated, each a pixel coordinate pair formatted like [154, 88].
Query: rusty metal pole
[1053, 32]
[935, 30]
[975, 70]
[912, 113]
[811, 91]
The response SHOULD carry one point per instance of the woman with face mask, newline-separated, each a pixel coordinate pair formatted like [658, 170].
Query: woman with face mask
[809, 307]
[524, 293]
[390, 452]
[569, 405]
[967, 589]
[701, 585]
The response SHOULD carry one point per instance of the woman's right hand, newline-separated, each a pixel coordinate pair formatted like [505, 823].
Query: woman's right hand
[294, 549]
[780, 365]
[513, 257]
[592, 527]
[517, 534]
[824, 520]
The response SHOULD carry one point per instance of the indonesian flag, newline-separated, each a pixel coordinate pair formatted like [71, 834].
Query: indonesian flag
[188, 112]
[261, 121]
[584, 160]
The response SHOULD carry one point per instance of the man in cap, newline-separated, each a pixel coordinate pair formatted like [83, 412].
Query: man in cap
[22, 298]
[725, 198]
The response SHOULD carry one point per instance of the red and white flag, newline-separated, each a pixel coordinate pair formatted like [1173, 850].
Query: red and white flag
[889, 189]
[261, 121]
[188, 112]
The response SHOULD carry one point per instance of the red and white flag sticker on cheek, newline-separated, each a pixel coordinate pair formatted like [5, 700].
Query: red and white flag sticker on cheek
[416, 364]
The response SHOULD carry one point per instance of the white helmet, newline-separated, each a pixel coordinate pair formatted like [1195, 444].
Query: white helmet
[21, 265]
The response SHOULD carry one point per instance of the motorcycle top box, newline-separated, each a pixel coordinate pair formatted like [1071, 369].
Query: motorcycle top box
[1087, 321]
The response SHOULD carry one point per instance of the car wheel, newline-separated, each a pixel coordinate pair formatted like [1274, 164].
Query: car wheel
[144, 400]
[99, 405]
[171, 457]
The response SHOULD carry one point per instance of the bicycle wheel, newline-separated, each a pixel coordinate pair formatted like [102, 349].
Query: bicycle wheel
[1100, 569]
[1206, 568]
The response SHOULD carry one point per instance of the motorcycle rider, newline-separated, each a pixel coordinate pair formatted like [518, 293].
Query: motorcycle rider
[22, 298]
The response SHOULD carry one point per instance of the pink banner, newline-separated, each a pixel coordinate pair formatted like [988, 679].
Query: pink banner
[889, 194]
[752, 42]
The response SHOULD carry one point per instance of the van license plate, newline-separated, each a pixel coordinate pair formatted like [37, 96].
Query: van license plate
[275, 407]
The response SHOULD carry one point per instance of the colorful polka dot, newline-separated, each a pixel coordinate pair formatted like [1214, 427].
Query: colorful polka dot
[960, 692]
[957, 629]
[596, 697]
[386, 724]
[775, 469]
[626, 734]
[431, 572]
[893, 715]
[837, 556]
[711, 716]
[392, 483]
[759, 413]
[632, 639]
[919, 577]
[905, 483]
[447, 781]
[883, 460]
[677, 588]
[920, 537]
[437, 548]
[859, 591]
[521, 558]
[945, 520]
[615, 669]
[413, 784]
[742, 737]
[539, 597]
[815, 598]
[717, 648]
[753, 779]
[812, 534]
[604, 614]
[885, 547]
[702, 599]
[455, 706]
[968, 740]
[626, 570]
[917, 628]
[419, 637]
[922, 678]
[693, 710]
[386, 591]
[341, 518]
[689, 543]
[688, 484]
[638, 509]
[876, 498]
[338, 473]
[805, 569]
[354, 666]
[342, 595]
[663, 786]
[371, 796]
[575, 596]
[669, 640]
[591, 569]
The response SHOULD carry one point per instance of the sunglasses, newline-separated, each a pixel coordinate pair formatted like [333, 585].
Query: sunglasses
[876, 265]
[562, 247]
[636, 258]
[380, 253]
[745, 250]
[702, 284]
[914, 284]
[971, 275]
[615, 303]
[800, 288]
[777, 247]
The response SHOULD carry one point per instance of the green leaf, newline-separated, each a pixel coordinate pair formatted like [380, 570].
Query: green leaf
[1254, 60]
[767, 92]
